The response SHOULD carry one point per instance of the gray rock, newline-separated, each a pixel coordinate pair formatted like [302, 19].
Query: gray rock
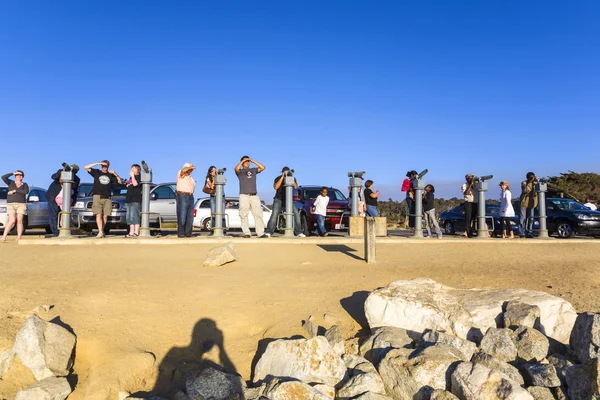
[518, 313]
[6, 358]
[532, 345]
[372, 396]
[416, 375]
[493, 363]
[478, 382]
[278, 389]
[335, 339]
[585, 337]
[221, 255]
[359, 384]
[540, 393]
[583, 380]
[357, 364]
[212, 384]
[383, 340]
[561, 364]
[442, 395]
[45, 348]
[47, 389]
[498, 342]
[541, 375]
[465, 347]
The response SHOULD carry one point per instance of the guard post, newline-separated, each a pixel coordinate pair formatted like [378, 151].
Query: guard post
[481, 187]
[219, 183]
[370, 241]
[288, 182]
[542, 187]
[419, 186]
[146, 180]
[66, 177]
[355, 182]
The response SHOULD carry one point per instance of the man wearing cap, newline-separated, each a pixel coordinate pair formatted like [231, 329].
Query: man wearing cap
[53, 191]
[185, 200]
[249, 200]
[278, 202]
[102, 204]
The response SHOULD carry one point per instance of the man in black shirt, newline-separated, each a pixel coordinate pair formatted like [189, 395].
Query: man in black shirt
[371, 199]
[278, 202]
[103, 180]
[53, 191]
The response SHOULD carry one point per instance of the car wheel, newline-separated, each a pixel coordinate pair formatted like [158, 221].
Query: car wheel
[207, 224]
[449, 228]
[565, 230]
[304, 224]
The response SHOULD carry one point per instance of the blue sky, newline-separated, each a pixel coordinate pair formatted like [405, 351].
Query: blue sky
[325, 87]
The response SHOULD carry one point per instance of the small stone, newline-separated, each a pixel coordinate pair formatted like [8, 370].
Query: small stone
[278, 389]
[465, 347]
[518, 313]
[221, 255]
[542, 375]
[561, 364]
[478, 382]
[532, 345]
[498, 343]
[585, 337]
[540, 393]
[310, 327]
[46, 389]
[493, 363]
[6, 358]
[583, 380]
[442, 395]
[211, 383]
[357, 364]
[335, 339]
[359, 384]
[383, 340]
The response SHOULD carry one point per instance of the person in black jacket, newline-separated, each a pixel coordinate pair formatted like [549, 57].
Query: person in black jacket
[429, 211]
[53, 191]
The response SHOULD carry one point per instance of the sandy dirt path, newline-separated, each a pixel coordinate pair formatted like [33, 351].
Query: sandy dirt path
[124, 301]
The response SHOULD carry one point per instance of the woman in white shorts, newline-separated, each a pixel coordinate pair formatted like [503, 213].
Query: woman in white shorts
[16, 202]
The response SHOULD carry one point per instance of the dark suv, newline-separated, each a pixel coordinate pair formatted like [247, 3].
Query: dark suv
[567, 218]
[338, 213]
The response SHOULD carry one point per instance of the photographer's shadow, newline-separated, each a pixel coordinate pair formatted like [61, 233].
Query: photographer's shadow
[206, 339]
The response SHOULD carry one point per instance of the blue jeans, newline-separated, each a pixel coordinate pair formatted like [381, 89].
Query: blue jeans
[132, 215]
[185, 214]
[321, 225]
[525, 224]
[53, 210]
[213, 210]
[272, 224]
[372, 211]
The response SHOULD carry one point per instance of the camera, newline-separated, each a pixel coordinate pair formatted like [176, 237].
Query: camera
[221, 171]
[66, 167]
[478, 179]
[356, 174]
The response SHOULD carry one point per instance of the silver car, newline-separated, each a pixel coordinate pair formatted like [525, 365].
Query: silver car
[37, 209]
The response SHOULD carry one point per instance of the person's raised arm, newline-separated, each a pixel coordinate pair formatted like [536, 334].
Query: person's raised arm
[5, 178]
[56, 175]
[261, 167]
[278, 182]
[134, 181]
[89, 167]
[374, 195]
[237, 167]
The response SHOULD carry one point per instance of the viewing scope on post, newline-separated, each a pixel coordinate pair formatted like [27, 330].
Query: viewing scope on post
[145, 167]
[146, 180]
[66, 167]
[418, 187]
[288, 184]
[481, 187]
[66, 178]
[484, 178]
[289, 172]
[422, 174]
[355, 182]
[219, 214]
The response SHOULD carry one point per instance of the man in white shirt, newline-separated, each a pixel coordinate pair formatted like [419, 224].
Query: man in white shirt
[590, 205]
[319, 208]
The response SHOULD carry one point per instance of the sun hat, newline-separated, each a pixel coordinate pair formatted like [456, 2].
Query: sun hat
[188, 165]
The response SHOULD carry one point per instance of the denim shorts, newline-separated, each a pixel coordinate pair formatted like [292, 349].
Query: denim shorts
[133, 216]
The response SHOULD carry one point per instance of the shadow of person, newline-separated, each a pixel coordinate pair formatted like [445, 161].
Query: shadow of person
[206, 349]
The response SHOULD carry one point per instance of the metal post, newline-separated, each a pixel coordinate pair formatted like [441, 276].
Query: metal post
[482, 231]
[370, 240]
[355, 182]
[541, 188]
[219, 193]
[288, 182]
[66, 176]
[146, 180]
[418, 187]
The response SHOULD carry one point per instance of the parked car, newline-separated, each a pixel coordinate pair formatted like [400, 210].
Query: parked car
[567, 218]
[338, 211]
[454, 220]
[37, 209]
[162, 202]
[203, 220]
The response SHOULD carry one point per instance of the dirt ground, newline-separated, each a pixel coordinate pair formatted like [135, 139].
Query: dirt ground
[129, 304]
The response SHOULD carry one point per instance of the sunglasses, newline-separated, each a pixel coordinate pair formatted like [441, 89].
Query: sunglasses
[18, 174]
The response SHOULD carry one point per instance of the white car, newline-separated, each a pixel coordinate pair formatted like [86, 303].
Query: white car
[202, 215]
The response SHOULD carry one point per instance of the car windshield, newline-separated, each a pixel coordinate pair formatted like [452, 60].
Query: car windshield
[3, 193]
[84, 190]
[333, 194]
[568, 204]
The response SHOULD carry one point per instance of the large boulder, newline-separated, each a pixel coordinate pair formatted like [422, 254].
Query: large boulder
[221, 255]
[47, 389]
[363, 378]
[382, 340]
[421, 304]
[583, 380]
[518, 313]
[279, 389]
[416, 374]
[498, 342]
[309, 360]
[47, 349]
[6, 358]
[465, 347]
[541, 375]
[477, 382]
[561, 364]
[335, 339]
[540, 393]
[493, 363]
[213, 384]
[585, 338]
[532, 345]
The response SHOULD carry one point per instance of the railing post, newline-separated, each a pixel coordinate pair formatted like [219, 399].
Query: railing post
[370, 240]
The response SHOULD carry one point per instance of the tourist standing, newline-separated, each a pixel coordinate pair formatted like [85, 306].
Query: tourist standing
[506, 211]
[53, 191]
[184, 194]
[249, 200]
[16, 202]
[133, 201]
[407, 187]
[371, 199]
[470, 204]
[102, 199]
[319, 208]
[528, 203]
[429, 211]
[210, 189]
[279, 201]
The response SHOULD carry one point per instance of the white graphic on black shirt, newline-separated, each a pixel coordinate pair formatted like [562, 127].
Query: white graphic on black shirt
[105, 180]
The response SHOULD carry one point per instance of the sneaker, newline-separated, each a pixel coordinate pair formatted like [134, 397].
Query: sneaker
[100, 235]
[265, 236]
[247, 236]
[301, 235]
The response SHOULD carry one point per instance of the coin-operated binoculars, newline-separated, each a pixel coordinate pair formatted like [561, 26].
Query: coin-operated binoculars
[418, 187]
[481, 186]
[146, 181]
[356, 179]
[288, 183]
[66, 177]
[219, 182]
[542, 187]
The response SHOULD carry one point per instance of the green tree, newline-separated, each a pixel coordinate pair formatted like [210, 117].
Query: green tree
[575, 185]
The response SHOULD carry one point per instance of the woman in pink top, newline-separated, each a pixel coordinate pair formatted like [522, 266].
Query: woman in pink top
[185, 200]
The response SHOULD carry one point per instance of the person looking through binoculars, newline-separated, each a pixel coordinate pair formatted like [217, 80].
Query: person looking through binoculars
[279, 202]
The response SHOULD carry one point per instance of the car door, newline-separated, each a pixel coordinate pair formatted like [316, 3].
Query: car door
[34, 207]
[551, 216]
[232, 209]
[459, 218]
[43, 208]
[162, 201]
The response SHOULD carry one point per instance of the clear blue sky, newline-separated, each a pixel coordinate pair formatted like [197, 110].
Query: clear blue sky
[325, 87]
